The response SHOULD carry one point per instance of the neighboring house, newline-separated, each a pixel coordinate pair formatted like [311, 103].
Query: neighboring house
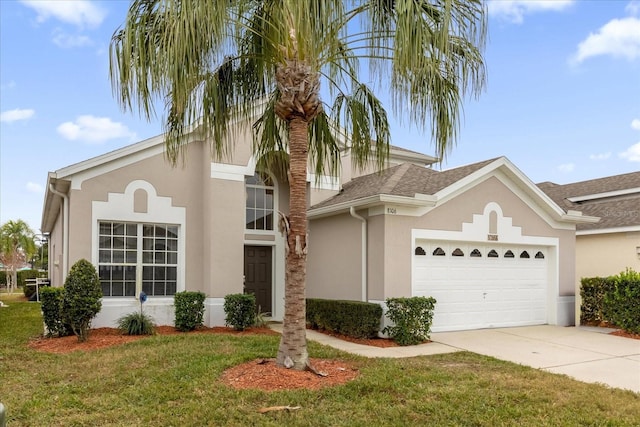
[489, 245]
[611, 245]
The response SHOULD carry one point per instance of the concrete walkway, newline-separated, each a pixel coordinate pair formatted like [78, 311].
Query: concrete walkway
[586, 354]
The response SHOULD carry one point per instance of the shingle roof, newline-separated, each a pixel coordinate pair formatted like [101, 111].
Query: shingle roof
[405, 179]
[614, 211]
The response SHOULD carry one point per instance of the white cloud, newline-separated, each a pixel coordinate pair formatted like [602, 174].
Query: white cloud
[632, 153]
[635, 124]
[567, 167]
[619, 38]
[15, 115]
[94, 130]
[633, 8]
[601, 156]
[65, 40]
[77, 12]
[514, 10]
[34, 188]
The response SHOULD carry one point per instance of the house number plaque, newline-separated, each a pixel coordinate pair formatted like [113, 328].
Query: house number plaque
[492, 237]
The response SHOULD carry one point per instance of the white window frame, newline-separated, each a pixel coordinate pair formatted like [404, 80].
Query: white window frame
[274, 213]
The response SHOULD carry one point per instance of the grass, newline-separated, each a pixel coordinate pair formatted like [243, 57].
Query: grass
[173, 381]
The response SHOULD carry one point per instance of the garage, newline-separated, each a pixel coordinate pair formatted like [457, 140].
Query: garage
[482, 285]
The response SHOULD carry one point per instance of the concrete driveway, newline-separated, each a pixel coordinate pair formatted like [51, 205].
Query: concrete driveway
[586, 354]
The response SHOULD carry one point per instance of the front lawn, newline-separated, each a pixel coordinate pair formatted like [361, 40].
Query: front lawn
[173, 381]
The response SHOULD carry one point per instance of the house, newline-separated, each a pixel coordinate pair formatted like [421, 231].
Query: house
[489, 245]
[611, 245]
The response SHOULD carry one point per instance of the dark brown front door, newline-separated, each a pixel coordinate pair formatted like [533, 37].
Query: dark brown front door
[257, 275]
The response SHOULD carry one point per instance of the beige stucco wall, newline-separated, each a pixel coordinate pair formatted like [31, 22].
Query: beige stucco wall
[334, 267]
[606, 254]
[55, 251]
[183, 184]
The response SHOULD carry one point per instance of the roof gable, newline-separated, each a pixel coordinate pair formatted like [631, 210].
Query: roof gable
[615, 199]
[414, 185]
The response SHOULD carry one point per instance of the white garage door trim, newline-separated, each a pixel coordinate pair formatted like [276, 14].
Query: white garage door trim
[485, 286]
[478, 233]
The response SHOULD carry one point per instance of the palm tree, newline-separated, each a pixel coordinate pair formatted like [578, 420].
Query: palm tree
[16, 246]
[211, 61]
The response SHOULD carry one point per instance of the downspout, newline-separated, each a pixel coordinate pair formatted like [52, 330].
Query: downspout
[65, 231]
[353, 213]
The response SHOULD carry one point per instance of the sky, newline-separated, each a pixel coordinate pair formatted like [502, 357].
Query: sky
[562, 99]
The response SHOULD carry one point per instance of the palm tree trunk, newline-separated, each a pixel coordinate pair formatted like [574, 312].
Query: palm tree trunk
[293, 344]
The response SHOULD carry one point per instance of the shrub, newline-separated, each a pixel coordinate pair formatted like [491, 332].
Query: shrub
[189, 310]
[261, 320]
[622, 301]
[356, 319]
[82, 294]
[412, 319]
[592, 292]
[52, 312]
[136, 323]
[240, 310]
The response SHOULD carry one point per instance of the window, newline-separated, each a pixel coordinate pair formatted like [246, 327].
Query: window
[457, 252]
[259, 207]
[524, 254]
[126, 248]
[475, 254]
[509, 254]
[420, 251]
[539, 255]
[438, 252]
[492, 254]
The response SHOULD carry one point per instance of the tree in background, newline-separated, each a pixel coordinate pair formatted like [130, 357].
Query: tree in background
[211, 62]
[17, 245]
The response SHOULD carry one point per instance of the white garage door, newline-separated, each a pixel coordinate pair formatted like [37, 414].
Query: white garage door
[482, 285]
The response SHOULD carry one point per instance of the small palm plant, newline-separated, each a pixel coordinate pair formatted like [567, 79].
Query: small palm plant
[137, 323]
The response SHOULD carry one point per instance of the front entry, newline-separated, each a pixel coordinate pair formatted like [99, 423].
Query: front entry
[257, 275]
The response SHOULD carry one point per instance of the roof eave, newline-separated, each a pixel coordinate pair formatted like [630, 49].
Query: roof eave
[419, 200]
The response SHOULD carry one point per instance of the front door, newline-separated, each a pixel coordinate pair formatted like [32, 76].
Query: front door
[257, 275]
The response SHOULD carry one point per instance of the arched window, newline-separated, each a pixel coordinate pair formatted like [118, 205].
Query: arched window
[524, 254]
[492, 254]
[509, 254]
[475, 253]
[539, 255]
[260, 200]
[457, 252]
[438, 252]
[420, 251]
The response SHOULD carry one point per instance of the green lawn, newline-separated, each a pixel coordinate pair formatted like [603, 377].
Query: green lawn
[173, 381]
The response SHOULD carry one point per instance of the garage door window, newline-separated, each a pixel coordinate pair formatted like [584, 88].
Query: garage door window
[457, 252]
[492, 254]
[438, 252]
[524, 254]
[420, 251]
[539, 255]
[476, 253]
[509, 254]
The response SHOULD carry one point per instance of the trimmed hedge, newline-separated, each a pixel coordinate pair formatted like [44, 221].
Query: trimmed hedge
[613, 299]
[240, 311]
[592, 292]
[52, 312]
[189, 310]
[351, 318]
[622, 301]
[412, 319]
